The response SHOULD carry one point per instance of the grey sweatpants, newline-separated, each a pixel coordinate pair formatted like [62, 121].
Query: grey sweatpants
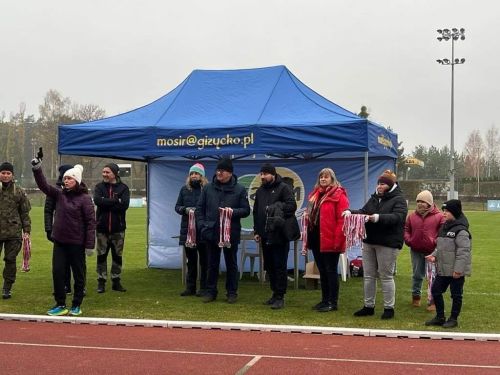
[379, 261]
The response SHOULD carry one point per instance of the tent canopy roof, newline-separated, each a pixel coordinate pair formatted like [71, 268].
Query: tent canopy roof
[248, 111]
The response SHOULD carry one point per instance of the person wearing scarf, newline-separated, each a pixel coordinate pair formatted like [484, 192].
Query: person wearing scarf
[421, 230]
[325, 236]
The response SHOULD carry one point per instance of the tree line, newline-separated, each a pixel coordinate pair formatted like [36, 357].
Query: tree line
[479, 159]
[21, 134]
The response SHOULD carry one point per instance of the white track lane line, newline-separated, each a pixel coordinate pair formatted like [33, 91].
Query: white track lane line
[251, 355]
[247, 367]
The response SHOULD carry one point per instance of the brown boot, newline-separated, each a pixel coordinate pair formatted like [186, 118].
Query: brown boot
[416, 301]
[431, 307]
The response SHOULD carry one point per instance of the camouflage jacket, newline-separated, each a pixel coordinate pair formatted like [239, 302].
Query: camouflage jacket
[14, 212]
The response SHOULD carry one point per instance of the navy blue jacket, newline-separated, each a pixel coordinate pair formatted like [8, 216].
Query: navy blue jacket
[215, 195]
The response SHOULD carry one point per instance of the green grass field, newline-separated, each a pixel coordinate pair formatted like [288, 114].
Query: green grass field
[154, 293]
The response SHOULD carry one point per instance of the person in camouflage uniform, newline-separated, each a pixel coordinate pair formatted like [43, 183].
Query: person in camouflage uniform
[14, 221]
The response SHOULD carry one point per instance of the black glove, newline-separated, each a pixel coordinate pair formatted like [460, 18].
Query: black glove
[49, 235]
[39, 154]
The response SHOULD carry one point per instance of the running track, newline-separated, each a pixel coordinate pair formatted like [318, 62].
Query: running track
[60, 347]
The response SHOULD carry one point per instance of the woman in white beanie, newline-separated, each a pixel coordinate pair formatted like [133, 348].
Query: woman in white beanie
[73, 232]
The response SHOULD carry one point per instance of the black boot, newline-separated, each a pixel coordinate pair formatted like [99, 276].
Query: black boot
[101, 285]
[6, 294]
[365, 311]
[118, 286]
[436, 321]
[388, 314]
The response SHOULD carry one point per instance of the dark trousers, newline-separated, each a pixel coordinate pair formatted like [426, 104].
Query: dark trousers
[440, 286]
[61, 256]
[11, 249]
[327, 265]
[67, 278]
[275, 264]
[230, 257]
[192, 255]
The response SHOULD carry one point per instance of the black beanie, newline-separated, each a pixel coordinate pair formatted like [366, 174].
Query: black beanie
[225, 164]
[268, 168]
[114, 168]
[6, 166]
[454, 206]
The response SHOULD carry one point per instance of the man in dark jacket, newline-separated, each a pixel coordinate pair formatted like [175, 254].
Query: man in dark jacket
[48, 211]
[386, 212]
[273, 196]
[224, 198]
[14, 223]
[112, 198]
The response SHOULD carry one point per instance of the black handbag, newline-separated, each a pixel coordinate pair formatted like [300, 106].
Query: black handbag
[291, 229]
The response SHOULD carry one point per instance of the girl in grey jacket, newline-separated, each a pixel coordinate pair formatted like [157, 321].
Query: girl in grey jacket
[453, 262]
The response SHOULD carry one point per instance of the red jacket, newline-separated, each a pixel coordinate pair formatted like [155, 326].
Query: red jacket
[421, 231]
[331, 222]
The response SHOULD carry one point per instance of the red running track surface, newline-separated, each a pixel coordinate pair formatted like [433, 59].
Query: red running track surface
[64, 348]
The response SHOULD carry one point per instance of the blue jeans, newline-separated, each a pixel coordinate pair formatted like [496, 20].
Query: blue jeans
[418, 267]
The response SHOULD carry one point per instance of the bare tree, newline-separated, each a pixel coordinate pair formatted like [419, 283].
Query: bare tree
[491, 148]
[54, 111]
[474, 152]
[88, 112]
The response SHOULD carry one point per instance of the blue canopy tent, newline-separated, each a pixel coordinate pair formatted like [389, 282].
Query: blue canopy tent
[244, 113]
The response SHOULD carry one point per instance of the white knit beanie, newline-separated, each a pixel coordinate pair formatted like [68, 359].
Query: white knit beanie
[425, 196]
[75, 173]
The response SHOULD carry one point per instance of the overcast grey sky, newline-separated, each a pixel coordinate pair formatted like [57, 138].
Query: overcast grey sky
[121, 54]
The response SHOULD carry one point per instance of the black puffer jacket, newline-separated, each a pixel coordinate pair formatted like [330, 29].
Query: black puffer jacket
[215, 195]
[392, 210]
[266, 196]
[112, 201]
[188, 197]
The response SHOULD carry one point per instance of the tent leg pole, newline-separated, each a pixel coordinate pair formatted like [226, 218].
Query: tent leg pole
[366, 177]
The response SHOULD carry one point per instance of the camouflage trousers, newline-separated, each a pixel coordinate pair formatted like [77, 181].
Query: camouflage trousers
[11, 249]
[105, 243]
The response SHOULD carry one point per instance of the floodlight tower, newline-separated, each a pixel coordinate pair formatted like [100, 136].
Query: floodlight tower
[453, 35]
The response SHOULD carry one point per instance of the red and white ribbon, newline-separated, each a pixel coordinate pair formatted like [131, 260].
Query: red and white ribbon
[191, 234]
[26, 253]
[431, 274]
[354, 229]
[225, 215]
[304, 224]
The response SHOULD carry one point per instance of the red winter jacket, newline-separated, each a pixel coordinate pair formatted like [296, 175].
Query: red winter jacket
[421, 231]
[331, 222]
